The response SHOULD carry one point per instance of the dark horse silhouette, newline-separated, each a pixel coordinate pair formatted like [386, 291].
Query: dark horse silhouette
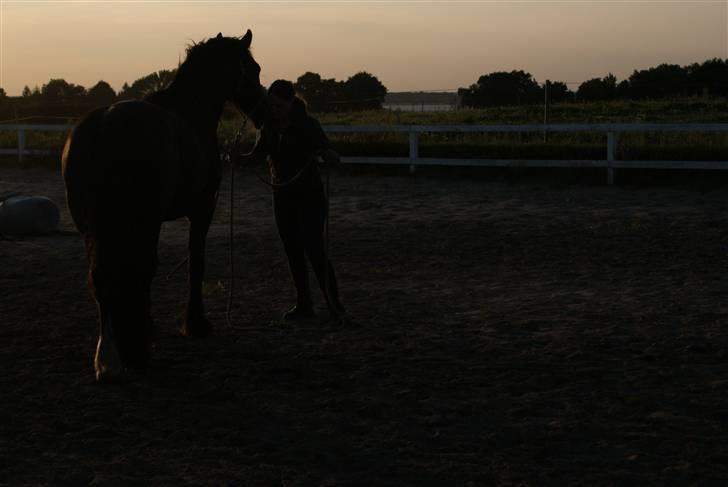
[130, 166]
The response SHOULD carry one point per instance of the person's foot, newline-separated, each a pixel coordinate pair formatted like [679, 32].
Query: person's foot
[298, 313]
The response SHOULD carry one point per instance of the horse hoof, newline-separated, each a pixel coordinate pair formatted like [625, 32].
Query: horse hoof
[200, 328]
[107, 363]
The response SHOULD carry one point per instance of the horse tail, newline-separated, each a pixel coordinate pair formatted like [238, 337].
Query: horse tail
[81, 168]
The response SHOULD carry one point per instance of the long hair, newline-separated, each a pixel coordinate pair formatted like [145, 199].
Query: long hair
[285, 90]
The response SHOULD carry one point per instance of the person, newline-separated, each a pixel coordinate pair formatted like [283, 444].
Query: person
[292, 141]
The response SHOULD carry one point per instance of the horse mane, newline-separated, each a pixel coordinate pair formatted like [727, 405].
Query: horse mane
[202, 57]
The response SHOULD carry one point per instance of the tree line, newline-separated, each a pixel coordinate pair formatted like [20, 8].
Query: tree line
[709, 78]
[59, 98]
[364, 91]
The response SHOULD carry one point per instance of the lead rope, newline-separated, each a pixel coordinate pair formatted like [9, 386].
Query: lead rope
[232, 158]
[327, 266]
[231, 245]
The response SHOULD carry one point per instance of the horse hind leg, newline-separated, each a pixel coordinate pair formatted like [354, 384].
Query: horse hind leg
[141, 272]
[122, 269]
[107, 361]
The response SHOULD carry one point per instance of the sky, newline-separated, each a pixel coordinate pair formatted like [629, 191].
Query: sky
[408, 45]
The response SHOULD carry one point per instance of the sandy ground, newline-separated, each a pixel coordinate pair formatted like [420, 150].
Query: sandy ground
[504, 335]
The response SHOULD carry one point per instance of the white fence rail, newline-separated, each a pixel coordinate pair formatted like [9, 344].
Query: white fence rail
[610, 163]
[22, 149]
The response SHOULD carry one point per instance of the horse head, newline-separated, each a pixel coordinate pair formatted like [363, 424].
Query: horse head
[224, 68]
[248, 94]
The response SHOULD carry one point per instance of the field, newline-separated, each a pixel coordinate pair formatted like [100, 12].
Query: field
[503, 335]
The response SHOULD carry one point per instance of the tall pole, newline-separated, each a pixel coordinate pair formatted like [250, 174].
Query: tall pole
[545, 108]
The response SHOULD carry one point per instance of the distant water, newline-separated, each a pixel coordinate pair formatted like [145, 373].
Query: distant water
[420, 107]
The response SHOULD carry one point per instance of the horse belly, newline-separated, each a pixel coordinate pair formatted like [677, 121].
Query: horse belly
[191, 181]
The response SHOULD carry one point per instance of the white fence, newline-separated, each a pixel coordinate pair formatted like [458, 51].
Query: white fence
[420, 107]
[22, 150]
[610, 162]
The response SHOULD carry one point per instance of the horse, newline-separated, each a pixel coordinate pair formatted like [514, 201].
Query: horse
[132, 165]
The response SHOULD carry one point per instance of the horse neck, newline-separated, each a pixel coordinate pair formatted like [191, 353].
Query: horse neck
[200, 107]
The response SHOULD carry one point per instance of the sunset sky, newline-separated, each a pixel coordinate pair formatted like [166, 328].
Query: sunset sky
[408, 45]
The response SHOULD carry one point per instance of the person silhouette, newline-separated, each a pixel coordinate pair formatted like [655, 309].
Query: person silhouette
[292, 141]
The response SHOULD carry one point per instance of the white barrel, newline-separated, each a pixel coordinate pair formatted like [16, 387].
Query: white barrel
[28, 215]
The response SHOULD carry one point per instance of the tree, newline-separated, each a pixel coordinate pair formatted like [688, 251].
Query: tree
[332, 95]
[598, 89]
[61, 90]
[7, 106]
[662, 81]
[503, 88]
[146, 85]
[101, 94]
[317, 92]
[26, 92]
[711, 77]
[624, 90]
[363, 91]
[559, 92]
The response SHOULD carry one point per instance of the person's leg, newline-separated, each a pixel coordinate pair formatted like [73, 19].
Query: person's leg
[314, 217]
[287, 215]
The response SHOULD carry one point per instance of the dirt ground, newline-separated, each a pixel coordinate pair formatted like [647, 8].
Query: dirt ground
[503, 335]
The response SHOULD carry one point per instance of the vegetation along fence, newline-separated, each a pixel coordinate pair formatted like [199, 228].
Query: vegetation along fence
[609, 163]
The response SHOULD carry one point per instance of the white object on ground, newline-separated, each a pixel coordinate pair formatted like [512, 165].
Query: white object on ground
[28, 215]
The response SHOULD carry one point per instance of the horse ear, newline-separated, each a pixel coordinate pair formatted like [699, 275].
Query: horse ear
[219, 35]
[247, 39]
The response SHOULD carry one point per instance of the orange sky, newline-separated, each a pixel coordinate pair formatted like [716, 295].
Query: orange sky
[409, 45]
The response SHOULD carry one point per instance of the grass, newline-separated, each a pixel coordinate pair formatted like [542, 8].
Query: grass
[675, 111]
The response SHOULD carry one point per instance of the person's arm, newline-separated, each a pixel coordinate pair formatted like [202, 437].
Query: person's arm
[320, 143]
[330, 156]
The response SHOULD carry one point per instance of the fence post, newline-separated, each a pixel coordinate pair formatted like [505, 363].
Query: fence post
[21, 144]
[612, 138]
[545, 108]
[413, 150]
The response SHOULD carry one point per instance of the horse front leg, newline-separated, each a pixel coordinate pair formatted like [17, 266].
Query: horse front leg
[195, 324]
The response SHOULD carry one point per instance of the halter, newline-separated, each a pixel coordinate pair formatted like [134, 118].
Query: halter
[261, 99]
[255, 108]
[235, 154]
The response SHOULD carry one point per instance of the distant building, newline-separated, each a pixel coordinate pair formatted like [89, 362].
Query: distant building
[421, 101]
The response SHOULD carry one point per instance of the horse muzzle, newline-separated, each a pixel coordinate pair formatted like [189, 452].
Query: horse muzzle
[257, 108]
